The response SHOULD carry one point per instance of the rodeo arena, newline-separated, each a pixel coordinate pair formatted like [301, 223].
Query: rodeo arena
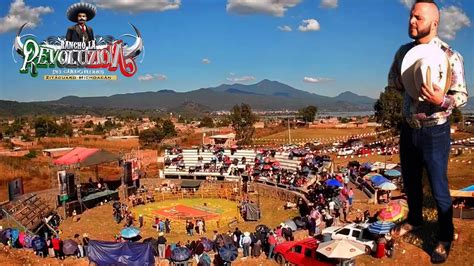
[190, 199]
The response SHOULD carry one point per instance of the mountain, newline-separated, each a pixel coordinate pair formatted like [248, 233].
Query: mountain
[354, 98]
[264, 95]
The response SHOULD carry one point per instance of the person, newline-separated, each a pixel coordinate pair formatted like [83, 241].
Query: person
[245, 243]
[161, 245]
[425, 130]
[57, 246]
[140, 220]
[389, 246]
[157, 223]
[80, 247]
[380, 251]
[85, 242]
[49, 243]
[80, 32]
[167, 226]
[200, 226]
[236, 236]
[350, 197]
[272, 242]
[332, 205]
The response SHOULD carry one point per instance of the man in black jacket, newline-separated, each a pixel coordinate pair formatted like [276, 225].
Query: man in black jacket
[80, 13]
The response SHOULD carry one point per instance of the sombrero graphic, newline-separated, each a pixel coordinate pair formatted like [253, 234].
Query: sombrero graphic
[77, 8]
[425, 63]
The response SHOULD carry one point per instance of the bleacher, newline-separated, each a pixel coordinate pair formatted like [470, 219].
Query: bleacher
[28, 211]
[286, 163]
[190, 158]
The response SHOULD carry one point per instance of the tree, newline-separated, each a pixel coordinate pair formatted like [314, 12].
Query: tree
[206, 122]
[242, 119]
[66, 129]
[15, 127]
[224, 121]
[169, 129]
[308, 113]
[151, 137]
[46, 126]
[456, 116]
[89, 124]
[388, 108]
[99, 129]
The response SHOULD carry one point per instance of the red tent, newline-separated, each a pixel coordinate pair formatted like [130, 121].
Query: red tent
[86, 157]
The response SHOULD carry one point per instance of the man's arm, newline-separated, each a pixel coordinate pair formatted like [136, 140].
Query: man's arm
[457, 93]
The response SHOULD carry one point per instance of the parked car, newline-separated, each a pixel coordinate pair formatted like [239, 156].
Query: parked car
[301, 252]
[363, 151]
[356, 232]
[345, 151]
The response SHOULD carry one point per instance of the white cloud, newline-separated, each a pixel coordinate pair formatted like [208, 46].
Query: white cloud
[149, 77]
[269, 7]
[139, 5]
[309, 25]
[241, 79]
[206, 61]
[328, 3]
[452, 20]
[285, 28]
[161, 77]
[407, 3]
[20, 13]
[316, 80]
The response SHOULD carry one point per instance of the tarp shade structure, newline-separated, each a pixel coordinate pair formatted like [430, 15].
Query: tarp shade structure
[99, 195]
[190, 183]
[127, 253]
[86, 157]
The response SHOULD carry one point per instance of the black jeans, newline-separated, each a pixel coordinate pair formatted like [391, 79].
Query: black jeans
[427, 147]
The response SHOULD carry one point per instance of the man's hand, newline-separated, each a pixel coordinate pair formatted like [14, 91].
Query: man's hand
[435, 96]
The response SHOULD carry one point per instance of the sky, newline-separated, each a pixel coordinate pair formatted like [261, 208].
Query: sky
[320, 46]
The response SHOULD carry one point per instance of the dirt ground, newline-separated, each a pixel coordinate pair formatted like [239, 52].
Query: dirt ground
[98, 222]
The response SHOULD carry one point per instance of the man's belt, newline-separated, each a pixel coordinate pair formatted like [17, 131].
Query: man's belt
[417, 123]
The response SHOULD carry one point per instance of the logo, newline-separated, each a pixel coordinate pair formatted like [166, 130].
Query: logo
[80, 55]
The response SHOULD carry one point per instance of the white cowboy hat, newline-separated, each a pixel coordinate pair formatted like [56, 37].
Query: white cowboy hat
[160, 234]
[246, 234]
[425, 63]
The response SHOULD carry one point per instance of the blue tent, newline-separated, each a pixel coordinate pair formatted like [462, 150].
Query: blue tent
[392, 173]
[127, 253]
[469, 188]
[377, 180]
[333, 183]
[129, 232]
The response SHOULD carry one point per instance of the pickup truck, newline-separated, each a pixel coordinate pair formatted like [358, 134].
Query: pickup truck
[345, 151]
[356, 232]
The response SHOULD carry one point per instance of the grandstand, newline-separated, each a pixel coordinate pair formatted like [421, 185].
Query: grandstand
[191, 164]
[192, 169]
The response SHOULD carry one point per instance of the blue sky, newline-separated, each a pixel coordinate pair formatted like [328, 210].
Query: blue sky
[190, 44]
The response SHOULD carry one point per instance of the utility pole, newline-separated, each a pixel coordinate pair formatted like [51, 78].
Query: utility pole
[289, 133]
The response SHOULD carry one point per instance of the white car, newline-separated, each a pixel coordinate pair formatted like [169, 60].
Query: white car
[345, 151]
[356, 232]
